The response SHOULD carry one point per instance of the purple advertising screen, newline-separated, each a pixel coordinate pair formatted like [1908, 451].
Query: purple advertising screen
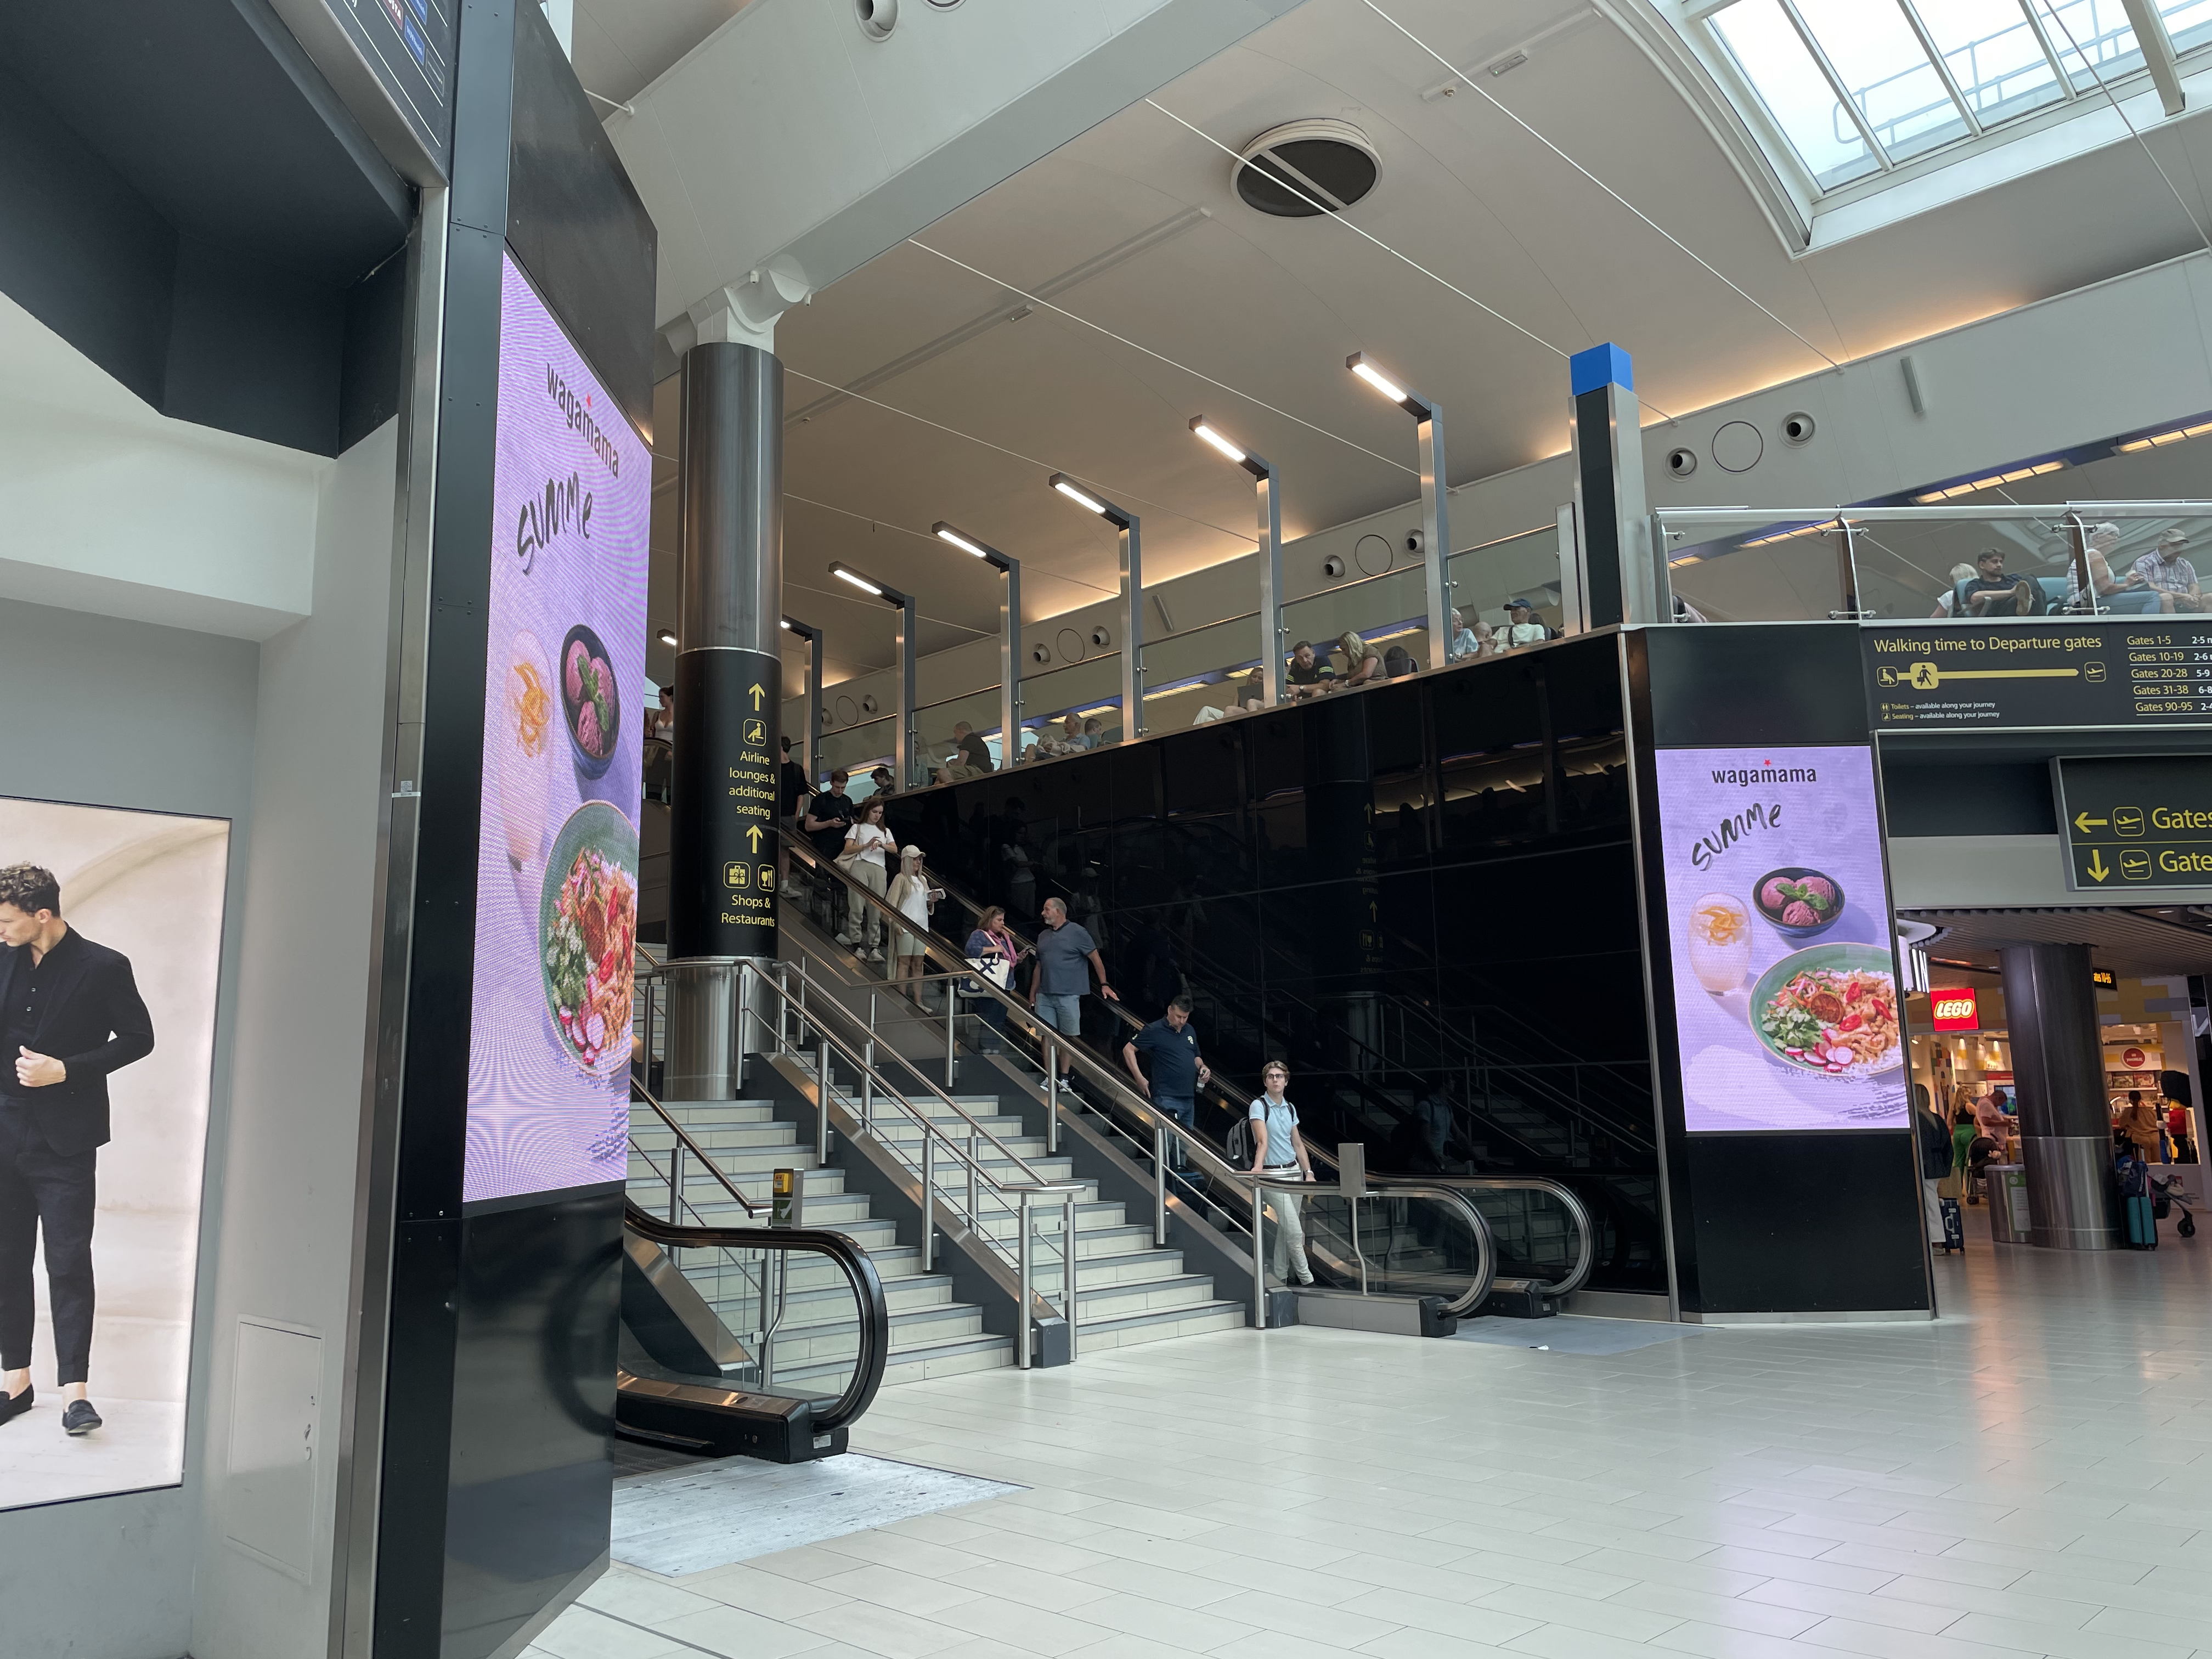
[556, 863]
[1785, 987]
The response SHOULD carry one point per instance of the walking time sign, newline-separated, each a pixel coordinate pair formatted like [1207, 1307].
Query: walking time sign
[2136, 822]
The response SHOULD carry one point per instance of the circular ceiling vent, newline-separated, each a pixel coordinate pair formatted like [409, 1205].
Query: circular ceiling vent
[1300, 169]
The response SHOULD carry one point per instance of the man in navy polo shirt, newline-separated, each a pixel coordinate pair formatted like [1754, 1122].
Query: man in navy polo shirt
[1171, 1047]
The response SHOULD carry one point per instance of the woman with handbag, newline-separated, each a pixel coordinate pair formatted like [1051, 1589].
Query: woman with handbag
[867, 846]
[993, 953]
[912, 896]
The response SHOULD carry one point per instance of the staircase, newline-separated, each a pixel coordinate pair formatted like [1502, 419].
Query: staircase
[932, 1335]
[1128, 1290]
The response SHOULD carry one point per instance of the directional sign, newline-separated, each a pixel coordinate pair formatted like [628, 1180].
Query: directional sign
[2136, 824]
[2039, 672]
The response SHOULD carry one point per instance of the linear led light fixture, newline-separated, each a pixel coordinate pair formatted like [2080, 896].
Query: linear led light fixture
[904, 745]
[1436, 527]
[1132, 596]
[667, 637]
[1010, 635]
[2161, 439]
[2019, 472]
[809, 748]
[1268, 493]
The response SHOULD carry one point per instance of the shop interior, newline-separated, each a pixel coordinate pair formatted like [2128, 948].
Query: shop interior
[2149, 980]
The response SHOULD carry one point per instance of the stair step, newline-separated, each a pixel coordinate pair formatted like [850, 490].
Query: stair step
[975, 1353]
[1199, 1319]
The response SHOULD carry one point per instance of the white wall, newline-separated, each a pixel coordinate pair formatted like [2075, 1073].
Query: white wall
[124, 714]
[114, 508]
[288, 1212]
[2115, 357]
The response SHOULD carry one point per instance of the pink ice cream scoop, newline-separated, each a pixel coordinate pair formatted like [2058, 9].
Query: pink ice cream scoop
[1800, 914]
[587, 734]
[1774, 893]
[572, 670]
[1820, 888]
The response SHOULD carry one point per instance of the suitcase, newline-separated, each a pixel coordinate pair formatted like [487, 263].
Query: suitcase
[1955, 1226]
[2142, 1224]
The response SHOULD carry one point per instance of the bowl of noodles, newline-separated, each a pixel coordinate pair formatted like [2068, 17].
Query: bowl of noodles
[587, 936]
[1830, 1009]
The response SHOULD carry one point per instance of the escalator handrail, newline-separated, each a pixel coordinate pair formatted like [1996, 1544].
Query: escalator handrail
[860, 1271]
[1193, 1146]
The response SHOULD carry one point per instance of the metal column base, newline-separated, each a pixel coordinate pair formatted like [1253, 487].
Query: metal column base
[708, 1033]
[2071, 1193]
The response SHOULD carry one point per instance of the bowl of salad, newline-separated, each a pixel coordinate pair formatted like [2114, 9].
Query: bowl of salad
[587, 936]
[1799, 903]
[1830, 1009]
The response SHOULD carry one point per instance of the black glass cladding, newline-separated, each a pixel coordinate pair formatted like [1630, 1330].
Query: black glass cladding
[1427, 886]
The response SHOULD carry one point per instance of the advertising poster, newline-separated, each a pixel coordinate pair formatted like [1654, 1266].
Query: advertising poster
[1785, 973]
[111, 942]
[556, 866]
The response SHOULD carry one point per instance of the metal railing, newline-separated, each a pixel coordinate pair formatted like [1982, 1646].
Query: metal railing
[1155, 1133]
[797, 1016]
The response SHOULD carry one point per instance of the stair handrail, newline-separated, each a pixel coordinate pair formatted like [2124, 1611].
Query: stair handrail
[1165, 1128]
[638, 1092]
[860, 1271]
[980, 1176]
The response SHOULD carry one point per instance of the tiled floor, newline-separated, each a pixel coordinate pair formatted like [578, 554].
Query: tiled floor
[2030, 1475]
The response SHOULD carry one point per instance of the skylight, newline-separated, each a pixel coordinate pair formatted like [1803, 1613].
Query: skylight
[1857, 87]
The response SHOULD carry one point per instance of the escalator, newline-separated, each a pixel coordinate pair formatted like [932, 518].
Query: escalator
[707, 1311]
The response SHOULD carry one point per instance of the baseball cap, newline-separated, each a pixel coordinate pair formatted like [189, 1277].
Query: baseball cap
[2173, 539]
[1519, 605]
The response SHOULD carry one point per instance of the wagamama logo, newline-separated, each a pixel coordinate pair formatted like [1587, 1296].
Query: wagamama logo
[564, 503]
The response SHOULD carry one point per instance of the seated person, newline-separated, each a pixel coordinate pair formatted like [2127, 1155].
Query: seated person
[956, 767]
[1253, 692]
[1990, 593]
[1094, 732]
[975, 746]
[1066, 738]
[1466, 641]
[1522, 627]
[1398, 662]
[2172, 577]
[1308, 675]
[1362, 662]
[2133, 595]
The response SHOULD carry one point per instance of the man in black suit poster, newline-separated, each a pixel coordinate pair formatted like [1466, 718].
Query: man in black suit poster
[70, 1014]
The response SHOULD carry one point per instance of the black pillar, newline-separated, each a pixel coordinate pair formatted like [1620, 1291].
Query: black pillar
[2057, 1062]
[729, 694]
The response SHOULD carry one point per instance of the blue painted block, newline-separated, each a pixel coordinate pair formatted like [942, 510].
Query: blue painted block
[1601, 365]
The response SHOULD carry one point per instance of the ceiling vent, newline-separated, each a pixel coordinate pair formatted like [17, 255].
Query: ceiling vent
[1287, 170]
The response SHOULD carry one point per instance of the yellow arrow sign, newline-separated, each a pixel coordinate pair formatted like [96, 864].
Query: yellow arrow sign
[2082, 821]
[753, 836]
[756, 694]
[2097, 867]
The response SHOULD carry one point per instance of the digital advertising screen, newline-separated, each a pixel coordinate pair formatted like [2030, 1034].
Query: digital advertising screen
[557, 860]
[1786, 1002]
[111, 948]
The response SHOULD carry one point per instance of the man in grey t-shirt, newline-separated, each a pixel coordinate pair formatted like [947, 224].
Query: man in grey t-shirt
[1067, 954]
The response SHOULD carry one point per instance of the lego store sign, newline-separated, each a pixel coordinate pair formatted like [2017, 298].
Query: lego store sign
[1953, 1009]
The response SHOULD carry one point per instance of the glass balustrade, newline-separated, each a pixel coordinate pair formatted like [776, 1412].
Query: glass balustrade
[936, 743]
[1087, 694]
[1216, 667]
[1388, 612]
[859, 750]
[1969, 564]
[1484, 578]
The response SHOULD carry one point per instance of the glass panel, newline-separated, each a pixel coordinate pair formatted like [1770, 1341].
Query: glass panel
[1215, 667]
[1979, 569]
[1389, 612]
[938, 741]
[2189, 21]
[2096, 30]
[1482, 580]
[1994, 56]
[1789, 83]
[1087, 694]
[860, 749]
[1400, 1245]
[1888, 75]
[1745, 567]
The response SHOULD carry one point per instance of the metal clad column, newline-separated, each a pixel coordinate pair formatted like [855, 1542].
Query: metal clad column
[729, 679]
[2058, 1064]
[1619, 580]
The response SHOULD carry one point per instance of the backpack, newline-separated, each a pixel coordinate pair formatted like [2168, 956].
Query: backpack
[1236, 1144]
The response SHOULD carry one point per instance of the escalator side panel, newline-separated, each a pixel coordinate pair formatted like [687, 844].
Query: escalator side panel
[669, 1320]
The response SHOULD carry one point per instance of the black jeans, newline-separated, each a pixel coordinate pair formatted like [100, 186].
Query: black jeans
[43, 1190]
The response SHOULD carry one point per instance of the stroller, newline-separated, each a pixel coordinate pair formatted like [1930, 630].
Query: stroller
[1981, 1152]
[2168, 1194]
